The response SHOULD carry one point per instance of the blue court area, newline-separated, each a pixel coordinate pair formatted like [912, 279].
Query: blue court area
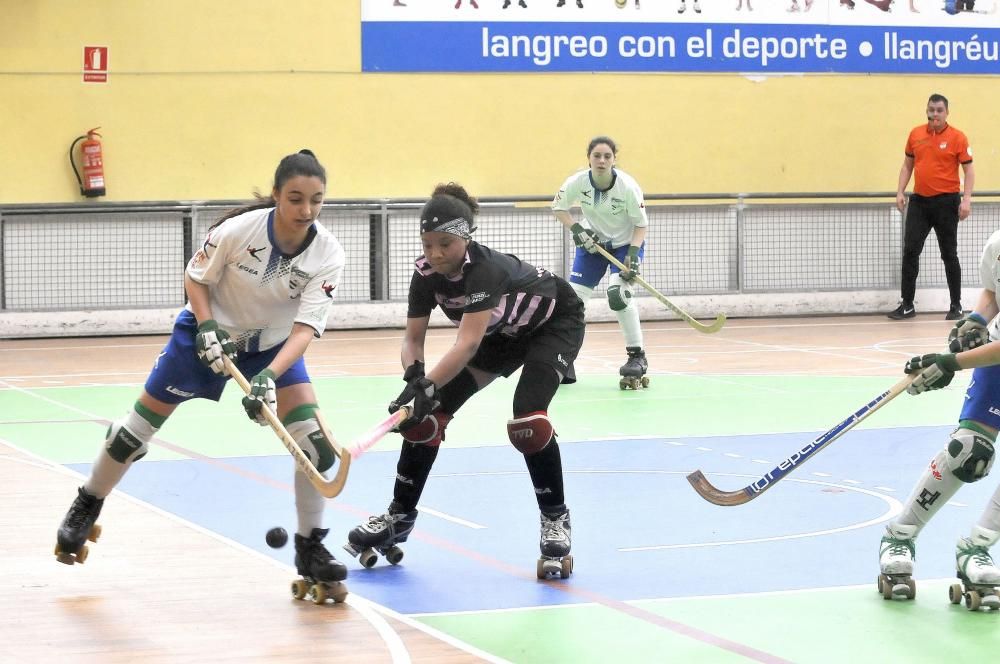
[639, 530]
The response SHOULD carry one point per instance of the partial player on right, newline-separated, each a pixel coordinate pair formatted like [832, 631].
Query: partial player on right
[614, 215]
[967, 457]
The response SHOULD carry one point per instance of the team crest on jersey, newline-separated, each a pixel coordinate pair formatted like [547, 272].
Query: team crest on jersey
[328, 289]
[476, 297]
[617, 205]
[199, 257]
[253, 252]
[944, 145]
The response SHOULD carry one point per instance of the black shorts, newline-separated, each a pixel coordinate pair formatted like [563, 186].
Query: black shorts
[556, 343]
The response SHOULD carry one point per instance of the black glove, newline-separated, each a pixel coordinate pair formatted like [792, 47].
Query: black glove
[424, 395]
[415, 370]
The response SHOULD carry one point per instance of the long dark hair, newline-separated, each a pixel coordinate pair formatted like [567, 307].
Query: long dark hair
[303, 162]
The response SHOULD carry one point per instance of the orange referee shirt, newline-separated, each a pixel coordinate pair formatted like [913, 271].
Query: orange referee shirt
[936, 157]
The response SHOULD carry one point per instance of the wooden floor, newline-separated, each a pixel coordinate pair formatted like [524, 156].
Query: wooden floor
[164, 591]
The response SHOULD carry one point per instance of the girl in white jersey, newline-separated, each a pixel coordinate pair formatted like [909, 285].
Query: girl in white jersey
[614, 216]
[967, 456]
[259, 290]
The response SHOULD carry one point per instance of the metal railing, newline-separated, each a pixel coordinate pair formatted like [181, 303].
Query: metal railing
[105, 256]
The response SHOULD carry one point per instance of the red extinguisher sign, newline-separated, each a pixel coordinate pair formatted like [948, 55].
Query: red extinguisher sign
[95, 64]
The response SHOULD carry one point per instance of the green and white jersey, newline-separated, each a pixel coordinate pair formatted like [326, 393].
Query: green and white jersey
[257, 292]
[613, 213]
[989, 273]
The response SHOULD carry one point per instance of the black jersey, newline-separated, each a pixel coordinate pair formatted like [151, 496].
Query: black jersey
[521, 296]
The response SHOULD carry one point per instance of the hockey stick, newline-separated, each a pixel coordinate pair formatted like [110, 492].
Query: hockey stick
[368, 441]
[327, 488]
[751, 491]
[720, 320]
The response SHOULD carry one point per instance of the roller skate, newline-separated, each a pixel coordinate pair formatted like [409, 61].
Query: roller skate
[381, 534]
[322, 574]
[633, 372]
[895, 560]
[555, 545]
[78, 527]
[980, 578]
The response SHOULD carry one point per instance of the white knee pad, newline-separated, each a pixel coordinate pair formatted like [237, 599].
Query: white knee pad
[127, 440]
[968, 455]
[310, 437]
[619, 293]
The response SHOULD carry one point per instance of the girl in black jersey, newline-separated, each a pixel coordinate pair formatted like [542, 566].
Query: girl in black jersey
[510, 315]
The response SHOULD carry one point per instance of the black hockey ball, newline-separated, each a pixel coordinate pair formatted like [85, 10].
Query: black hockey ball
[276, 538]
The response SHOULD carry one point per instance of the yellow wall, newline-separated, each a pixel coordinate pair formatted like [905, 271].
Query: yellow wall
[205, 97]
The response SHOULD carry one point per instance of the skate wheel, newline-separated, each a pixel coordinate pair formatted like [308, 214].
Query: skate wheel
[337, 592]
[367, 558]
[972, 600]
[394, 555]
[567, 567]
[991, 601]
[885, 586]
[911, 589]
[299, 588]
[95, 532]
[623, 384]
[955, 593]
[317, 593]
[645, 381]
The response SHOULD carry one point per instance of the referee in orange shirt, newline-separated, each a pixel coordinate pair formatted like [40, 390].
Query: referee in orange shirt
[935, 150]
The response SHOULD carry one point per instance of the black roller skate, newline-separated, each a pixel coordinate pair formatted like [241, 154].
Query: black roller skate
[633, 372]
[980, 578]
[322, 574]
[382, 534]
[555, 545]
[78, 527]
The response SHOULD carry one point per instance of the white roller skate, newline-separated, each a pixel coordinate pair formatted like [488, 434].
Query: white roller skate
[895, 560]
[980, 578]
[555, 545]
[633, 372]
[381, 534]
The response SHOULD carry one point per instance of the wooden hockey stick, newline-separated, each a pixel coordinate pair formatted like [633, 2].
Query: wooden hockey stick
[720, 320]
[751, 491]
[327, 488]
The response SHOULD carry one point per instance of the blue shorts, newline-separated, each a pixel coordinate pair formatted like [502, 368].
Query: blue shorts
[589, 269]
[982, 399]
[178, 374]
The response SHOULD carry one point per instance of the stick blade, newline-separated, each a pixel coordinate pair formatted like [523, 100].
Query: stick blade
[720, 320]
[707, 491]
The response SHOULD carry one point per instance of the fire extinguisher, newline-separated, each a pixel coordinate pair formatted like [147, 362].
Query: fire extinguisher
[92, 182]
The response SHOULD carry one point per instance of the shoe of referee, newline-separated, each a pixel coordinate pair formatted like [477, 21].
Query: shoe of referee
[905, 310]
[954, 312]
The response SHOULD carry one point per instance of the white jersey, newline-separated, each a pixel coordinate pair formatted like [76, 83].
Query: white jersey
[256, 292]
[989, 273]
[614, 213]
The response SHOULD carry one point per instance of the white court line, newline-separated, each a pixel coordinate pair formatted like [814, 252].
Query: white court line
[367, 608]
[453, 519]
[895, 507]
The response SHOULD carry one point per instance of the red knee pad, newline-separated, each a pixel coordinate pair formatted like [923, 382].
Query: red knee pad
[430, 431]
[530, 433]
